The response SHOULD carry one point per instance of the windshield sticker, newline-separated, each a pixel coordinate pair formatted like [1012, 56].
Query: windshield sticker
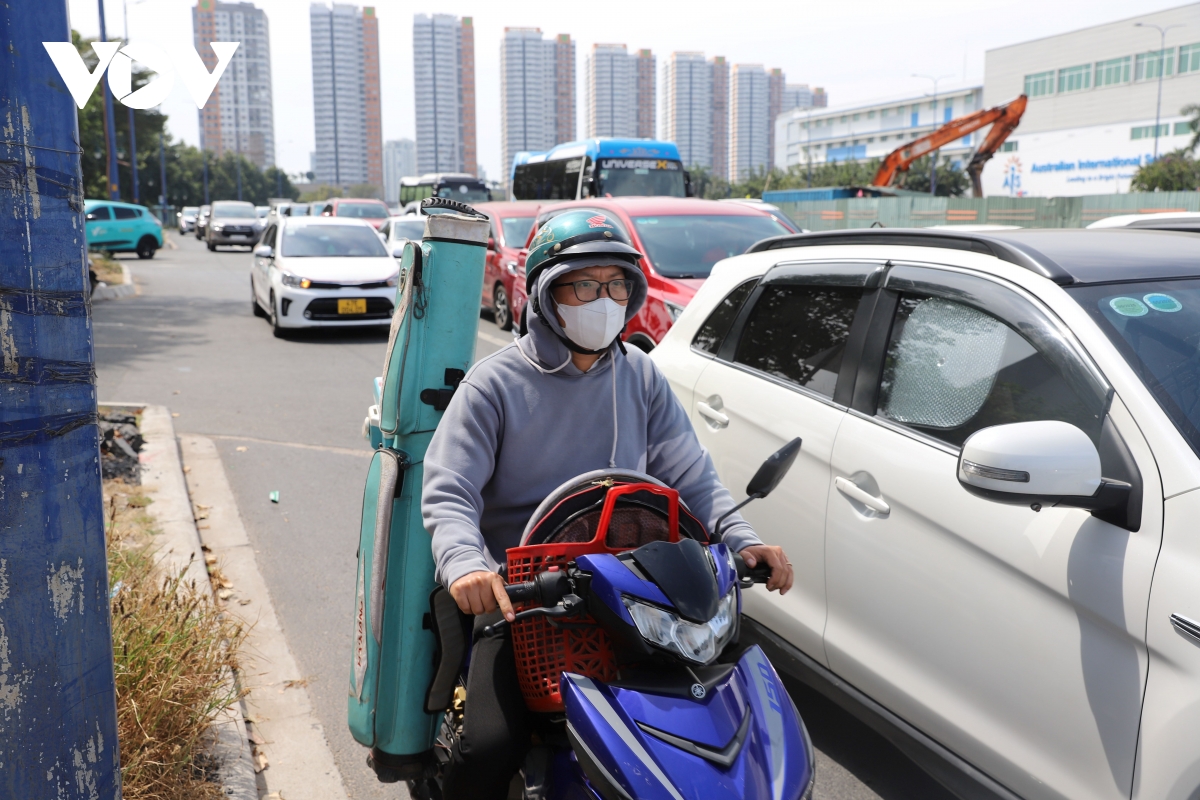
[1162, 302]
[1128, 307]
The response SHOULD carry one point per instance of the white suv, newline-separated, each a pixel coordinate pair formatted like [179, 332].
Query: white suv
[993, 518]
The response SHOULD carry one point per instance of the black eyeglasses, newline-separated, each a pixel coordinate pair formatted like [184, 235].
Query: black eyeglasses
[587, 291]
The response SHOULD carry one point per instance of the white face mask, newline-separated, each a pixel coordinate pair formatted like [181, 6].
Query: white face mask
[593, 325]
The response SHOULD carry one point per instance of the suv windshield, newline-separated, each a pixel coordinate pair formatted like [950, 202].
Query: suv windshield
[237, 212]
[362, 210]
[687, 246]
[315, 241]
[637, 177]
[1156, 327]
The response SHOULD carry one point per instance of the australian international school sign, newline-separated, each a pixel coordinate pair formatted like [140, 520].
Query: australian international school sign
[184, 63]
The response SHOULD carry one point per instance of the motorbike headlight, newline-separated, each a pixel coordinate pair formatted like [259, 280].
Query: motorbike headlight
[698, 643]
[289, 279]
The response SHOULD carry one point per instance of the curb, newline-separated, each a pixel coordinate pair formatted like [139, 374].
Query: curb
[123, 289]
[295, 759]
[180, 549]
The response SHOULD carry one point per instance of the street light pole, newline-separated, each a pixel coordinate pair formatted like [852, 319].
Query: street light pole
[162, 177]
[132, 133]
[934, 155]
[1162, 68]
[110, 125]
[808, 147]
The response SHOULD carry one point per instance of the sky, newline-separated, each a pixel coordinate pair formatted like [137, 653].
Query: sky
[858, 50]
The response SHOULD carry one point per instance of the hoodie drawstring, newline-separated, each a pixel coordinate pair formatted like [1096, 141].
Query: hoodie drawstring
[538, 366]
[612, 459]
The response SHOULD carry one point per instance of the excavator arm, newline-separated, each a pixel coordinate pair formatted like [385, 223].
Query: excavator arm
[1003, 120]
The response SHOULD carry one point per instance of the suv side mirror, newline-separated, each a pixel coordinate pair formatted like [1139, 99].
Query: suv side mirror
[773, 469]
[491, 245]
[1042, 463]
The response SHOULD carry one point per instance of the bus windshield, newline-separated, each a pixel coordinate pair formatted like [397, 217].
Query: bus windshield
[465, 192]
[644, 177]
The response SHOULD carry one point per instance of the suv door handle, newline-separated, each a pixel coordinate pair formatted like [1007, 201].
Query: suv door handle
[711, 414]
[852, 490]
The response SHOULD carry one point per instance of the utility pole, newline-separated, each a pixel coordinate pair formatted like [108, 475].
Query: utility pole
[239, 174]
[1162, 67]
[206, 176]
[110, 124]
[162, 176]
[132, 133]
[934, 155]
[58, 736]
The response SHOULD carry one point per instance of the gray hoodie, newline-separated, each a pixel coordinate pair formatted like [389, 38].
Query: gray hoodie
[513, 433]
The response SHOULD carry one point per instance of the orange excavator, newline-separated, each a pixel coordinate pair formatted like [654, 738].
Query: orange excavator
[1003, 119]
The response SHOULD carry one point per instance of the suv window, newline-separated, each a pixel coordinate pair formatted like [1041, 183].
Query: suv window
[798, 333]
[121, 212]
[951, 370]
[716, 327]
[99, 212]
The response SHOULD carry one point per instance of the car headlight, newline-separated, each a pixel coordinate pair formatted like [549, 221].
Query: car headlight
[699, 643]
[218, 228]
[673, 310]
[395, 279]
[289, 279]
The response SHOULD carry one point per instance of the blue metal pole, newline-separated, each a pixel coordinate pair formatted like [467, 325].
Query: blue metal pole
[110, 123]
[58, 718]
[133, 157]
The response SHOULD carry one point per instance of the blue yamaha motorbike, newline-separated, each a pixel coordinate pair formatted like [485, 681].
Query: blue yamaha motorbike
[625, 639]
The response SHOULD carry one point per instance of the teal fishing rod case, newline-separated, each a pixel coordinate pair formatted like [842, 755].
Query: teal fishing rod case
[430, 347]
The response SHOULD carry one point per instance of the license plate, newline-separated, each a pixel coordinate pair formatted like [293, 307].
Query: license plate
[358, 306]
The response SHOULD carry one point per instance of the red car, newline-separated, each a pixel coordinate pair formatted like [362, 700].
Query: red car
[680, 238]
[511, 224]
[373, 211]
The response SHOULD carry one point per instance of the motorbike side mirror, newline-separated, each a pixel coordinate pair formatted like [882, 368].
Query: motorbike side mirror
[773, 469]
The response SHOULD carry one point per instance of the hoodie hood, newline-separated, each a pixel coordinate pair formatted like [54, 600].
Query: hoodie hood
[548, 345]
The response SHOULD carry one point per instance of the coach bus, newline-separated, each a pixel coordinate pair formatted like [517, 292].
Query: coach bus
[600, 168]
[455, 185]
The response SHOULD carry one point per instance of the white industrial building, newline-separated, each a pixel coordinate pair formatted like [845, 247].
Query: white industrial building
[1088, 126]
[864, 131]
[1093, 94]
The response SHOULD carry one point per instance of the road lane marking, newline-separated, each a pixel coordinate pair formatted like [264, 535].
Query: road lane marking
[344, 451]
[498, 340]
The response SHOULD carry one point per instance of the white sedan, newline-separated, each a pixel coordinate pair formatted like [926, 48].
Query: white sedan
[395, 230]
[312, 272]
[993, 519]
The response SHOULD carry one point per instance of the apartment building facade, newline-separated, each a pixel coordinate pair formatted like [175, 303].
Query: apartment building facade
[618, 95]
[399, 161]
[346, 105]
[687, 107]
[749, 120]
[537, 91]
[239, 115]
[444, 93]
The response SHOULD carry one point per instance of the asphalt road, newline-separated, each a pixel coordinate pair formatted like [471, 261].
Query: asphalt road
[287, 416]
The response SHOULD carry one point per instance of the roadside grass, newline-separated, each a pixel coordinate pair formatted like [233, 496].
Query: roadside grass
[106, 268]
[174, 651]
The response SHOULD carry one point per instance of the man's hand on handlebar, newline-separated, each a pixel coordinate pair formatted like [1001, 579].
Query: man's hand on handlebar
[781, 568]
[480, 592]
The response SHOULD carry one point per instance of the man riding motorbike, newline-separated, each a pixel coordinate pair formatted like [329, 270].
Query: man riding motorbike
[565, 399]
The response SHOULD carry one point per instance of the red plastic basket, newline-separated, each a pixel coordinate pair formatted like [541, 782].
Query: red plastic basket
[544, 651]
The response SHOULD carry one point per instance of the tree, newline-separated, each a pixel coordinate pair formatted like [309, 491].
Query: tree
[1174, 172]
[707, 184]
[1192, 110]
[951, 182]
[320, 192]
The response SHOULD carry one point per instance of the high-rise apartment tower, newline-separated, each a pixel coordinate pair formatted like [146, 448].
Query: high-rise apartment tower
[687, 100]
[720, 116]
[239, 115]
[619, 92]
[749, 120]
[537, 92]
[776, 82]
[346, 114]
[444, 91]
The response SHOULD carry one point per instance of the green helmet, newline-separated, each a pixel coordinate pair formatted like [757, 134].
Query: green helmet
[574, 234]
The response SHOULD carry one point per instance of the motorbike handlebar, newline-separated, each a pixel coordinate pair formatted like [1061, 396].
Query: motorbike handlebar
[522, 592]
[546, 589]
[760, 573]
